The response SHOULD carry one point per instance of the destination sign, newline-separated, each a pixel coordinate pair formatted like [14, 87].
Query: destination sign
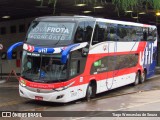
[51, 31]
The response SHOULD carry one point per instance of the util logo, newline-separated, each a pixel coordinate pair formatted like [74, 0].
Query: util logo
[146, 56]
[42, 50]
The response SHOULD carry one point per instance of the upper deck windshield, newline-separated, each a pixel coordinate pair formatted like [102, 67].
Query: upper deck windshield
[59, 33]
[46, 33]
[43, 68]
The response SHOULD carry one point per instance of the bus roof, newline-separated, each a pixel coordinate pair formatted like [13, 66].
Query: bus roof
[124, 22]
[65, 18]
[89, 18]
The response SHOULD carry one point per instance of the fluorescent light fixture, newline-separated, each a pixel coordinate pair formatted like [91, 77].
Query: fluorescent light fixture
[135, 17]
[142, 13]
[87, 11]
[158, 13]
[128, 11]
[97, 7]
[81, 5]
[38, 0]
[6, 17]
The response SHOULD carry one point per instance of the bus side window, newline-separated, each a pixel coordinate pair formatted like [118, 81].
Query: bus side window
[74, 68]
[145, 33]
[139, 33]
[99, 33]
[121, 32]
[152, 34]
[145, 36]
[84, 32]
[79, 35]
[111, 32]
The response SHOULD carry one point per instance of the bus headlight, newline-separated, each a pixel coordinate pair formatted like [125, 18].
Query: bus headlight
[22, 83]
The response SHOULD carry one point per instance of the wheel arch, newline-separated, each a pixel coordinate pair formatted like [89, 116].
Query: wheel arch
[93, 82]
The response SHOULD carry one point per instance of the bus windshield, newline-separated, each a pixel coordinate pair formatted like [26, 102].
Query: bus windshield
[43, 68]
[52, 32]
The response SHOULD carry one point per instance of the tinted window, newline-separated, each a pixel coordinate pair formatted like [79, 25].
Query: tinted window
[110, 63]
[84, 32]
[152, 34]
[129, 33]
[145, 34]
[74, 68]
[112, 32]
[77, 63]
[100, 33]
[118, 32]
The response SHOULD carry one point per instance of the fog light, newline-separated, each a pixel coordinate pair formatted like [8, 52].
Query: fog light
[21, 92]
[59, 97]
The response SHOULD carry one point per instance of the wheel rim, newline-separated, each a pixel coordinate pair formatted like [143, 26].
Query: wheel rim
[89, 91]
[137, 79]
[143, 77]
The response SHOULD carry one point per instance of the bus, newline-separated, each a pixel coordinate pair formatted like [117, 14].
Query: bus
[66, 58]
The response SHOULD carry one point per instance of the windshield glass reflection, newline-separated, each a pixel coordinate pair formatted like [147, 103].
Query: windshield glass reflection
[43, 68]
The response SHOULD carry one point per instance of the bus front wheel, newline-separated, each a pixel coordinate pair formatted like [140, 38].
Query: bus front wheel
[90, 92]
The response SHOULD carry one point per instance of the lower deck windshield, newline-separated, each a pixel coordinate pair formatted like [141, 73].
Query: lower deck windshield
[43, 68]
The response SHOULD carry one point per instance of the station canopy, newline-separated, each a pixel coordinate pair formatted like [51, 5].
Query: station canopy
[19, 9]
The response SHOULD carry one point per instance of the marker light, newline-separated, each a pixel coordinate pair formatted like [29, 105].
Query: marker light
[97, 7]
[6, 17]
[87, 11]
[128, 11]
[135, 17]
[158, 13]
[81, 5]
[142, 13]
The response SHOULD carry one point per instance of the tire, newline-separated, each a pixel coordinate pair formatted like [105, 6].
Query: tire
[137, 79]
[143, 77]
[90, 92]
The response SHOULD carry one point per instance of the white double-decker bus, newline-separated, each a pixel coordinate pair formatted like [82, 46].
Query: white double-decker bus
[68, 58]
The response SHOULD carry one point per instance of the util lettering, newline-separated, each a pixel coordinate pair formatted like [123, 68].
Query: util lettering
[146, 56]
[43, 50]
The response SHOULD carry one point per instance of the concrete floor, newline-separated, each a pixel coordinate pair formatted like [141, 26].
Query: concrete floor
[144, 97]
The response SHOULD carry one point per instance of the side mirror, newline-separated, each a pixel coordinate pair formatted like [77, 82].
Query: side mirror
[9, 51]
[85, 52]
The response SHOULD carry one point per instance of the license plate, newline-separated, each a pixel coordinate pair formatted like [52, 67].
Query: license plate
[38, 98]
